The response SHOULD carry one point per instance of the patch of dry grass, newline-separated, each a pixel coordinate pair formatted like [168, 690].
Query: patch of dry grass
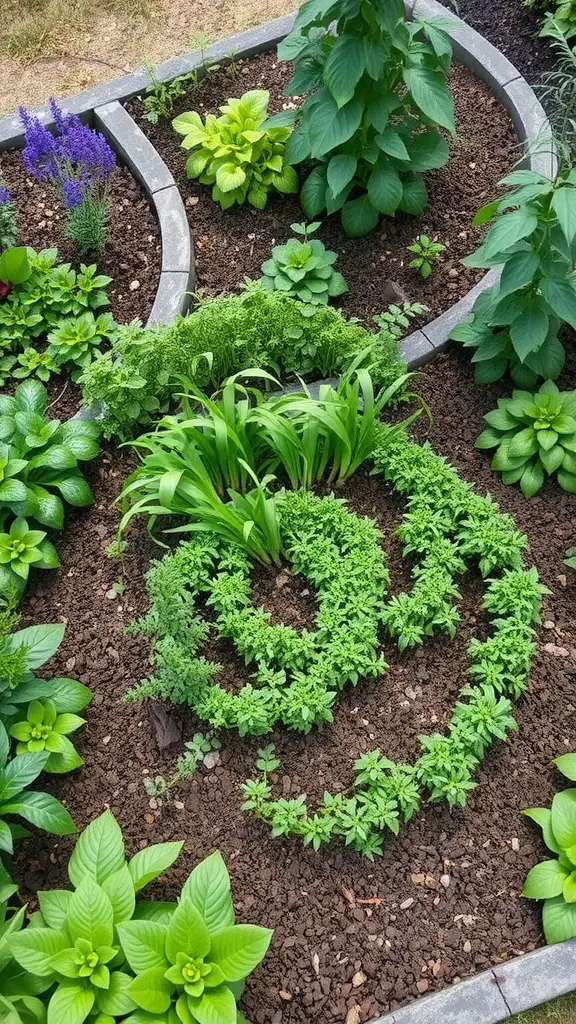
[34, 28]
[561, 1011]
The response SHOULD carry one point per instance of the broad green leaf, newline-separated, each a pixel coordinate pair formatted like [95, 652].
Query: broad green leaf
[239, 949]
[41, 642]
[392, 144]
[331, 127]
[344, 68]
[14, 265]
[429, 92]
[144, 944]
[564, 206]
[119, 889]
[35, 947]
[42, 810]
[71, 1003]
[90, 914]
[427, 151]
[569, 890]
[313, 194]
[54, 905]
[359, 217]
[385, 188]
[564, 818]
[154, 910]
[208, 886]
[532, 480]
[152, 861]
[559, 920]
[75, 490]
[19, 773]
[566, 764]
[99, 851]
[341, 171]
[545, 880]
[561, 296]
[518, 271]
[414, 196]
[529, 331]
[187, 932]
[151, 991]
[509, 229]
[215, 1006]
[115, 1000]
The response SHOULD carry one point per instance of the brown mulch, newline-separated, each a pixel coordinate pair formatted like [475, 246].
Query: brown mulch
[444, 900]
[132, 256]
[234, 243]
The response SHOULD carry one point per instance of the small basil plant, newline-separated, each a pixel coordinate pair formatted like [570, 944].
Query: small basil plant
[554, 881]
[99, 953]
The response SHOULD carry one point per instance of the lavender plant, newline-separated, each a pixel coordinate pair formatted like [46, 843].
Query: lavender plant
[78, 162]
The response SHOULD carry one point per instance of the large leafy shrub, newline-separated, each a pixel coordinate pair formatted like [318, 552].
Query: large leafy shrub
[98, 952]
[140, 373]
[554, 881]
[534, 435]
[514, 325]
[378, 91]
[237, 153]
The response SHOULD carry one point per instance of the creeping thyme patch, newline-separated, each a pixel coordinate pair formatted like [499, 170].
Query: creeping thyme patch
[447, 528]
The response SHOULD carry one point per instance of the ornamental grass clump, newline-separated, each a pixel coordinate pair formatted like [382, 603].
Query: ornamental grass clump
[534, 436]
[237, 153]
[78, 162]
[304, 269]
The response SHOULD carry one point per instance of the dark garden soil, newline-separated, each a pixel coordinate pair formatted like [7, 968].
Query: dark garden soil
[352, 939]
[132, 256]
[514, 29]
[234, 243]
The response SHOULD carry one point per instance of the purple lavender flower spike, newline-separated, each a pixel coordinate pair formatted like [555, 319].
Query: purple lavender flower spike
[40, 151]
[58, 115]
[72, 193]
[5, 196]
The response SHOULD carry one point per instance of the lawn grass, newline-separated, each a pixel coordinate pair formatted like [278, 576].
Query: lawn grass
[561, 1011]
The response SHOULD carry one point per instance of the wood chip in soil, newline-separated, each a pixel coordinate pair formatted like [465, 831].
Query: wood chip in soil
[234, 243]
[444, 900]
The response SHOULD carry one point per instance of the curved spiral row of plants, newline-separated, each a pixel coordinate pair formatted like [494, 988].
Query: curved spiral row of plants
[446, 527]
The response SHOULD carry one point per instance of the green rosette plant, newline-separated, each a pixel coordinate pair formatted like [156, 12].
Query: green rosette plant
[237, 153]
[554, 881]
[106, 955]
[20, 549]
[304, 269]
[534, 435]
[514, 324]
[46, 453]
[377, 96]
[44, 728]
[76, 341]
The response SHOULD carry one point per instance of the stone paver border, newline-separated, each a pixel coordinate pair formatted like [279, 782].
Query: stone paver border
[529, 980]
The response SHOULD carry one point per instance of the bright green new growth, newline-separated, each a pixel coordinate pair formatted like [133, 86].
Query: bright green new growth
[559, 15]
[143, 368]
[554, 881]
[377, 89]
[427, 253]
[45, 729]
[534, 435]
[20, 549]
[76, 341]
[304, 270]
[237, 153]
[97, 952]
[514, 324]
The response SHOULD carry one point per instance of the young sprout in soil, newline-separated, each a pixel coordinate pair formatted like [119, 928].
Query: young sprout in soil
[427, 253]
[197, 751]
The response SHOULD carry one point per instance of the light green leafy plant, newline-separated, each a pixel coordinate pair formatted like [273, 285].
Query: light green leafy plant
[554, 881]
[395, 321]
[426, 254]
[237, 153]
[45, 729]
[106, 955]
[20, 549]
[570, 559]
[514, 324]
[75, 341]
[373, 81]
[559, 14]
[304, 269]
[534, 435]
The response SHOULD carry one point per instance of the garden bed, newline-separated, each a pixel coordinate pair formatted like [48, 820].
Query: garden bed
[443, 902]
[234, 243]
[133, 252]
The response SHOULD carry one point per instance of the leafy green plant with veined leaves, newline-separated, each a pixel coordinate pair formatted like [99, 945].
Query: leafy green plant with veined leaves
[534, 435]
[377, 96]
[304, 269]
[425, 253]
[104, 954]
[41, 457]
[237, 153]
[20, 549]
[514, 324]
[75, 341]
[554, 881]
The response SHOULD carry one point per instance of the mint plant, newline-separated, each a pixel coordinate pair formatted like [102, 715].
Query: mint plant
[237, 153]
[304, 269]
[102, 954]
[514, 324]
[554, 881]
[375, 81]
[534, 435]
